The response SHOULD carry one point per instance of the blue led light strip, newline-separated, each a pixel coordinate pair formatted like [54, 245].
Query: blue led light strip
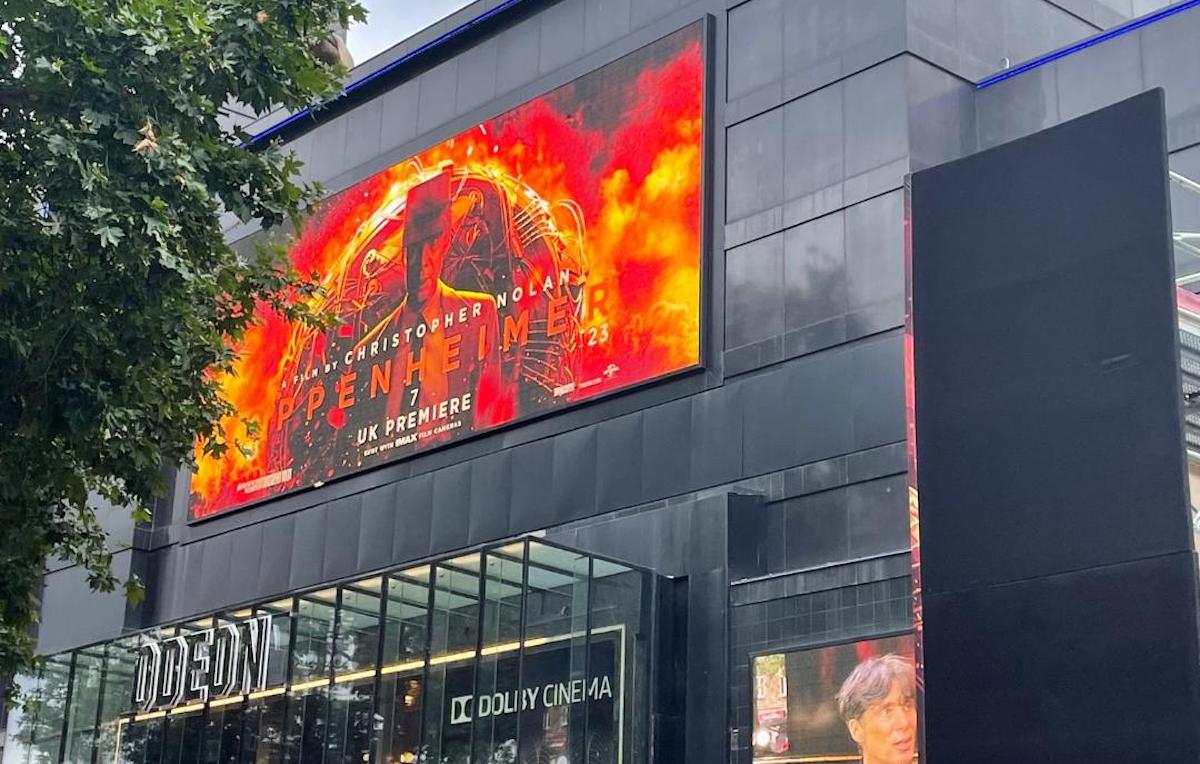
[1071, 49]
[357, 84]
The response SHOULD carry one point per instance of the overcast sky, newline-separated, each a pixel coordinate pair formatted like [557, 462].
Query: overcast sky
[390, 21]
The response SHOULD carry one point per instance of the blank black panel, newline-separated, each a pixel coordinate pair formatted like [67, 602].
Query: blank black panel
[877, 391]
[414, 518]
[244, 563]
[275, 560]
[667, 431]
[377, 528]
[815, 529]
[619, 448]
[770, 433]
[451, 508]
[533, 473]
[820, 388]
[214, 577]
[1047, 380]
[342, 537]
[491, 492]
[1090, 666]
[573, 489]
[308, 547]
[877, 517]
[717, 435]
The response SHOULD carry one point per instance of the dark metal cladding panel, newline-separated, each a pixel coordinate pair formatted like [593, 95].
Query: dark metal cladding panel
[308, 547]
[1047, 380]
[275, 568]
[452, 498]
[378, 528]
[1057, 568]
[341, 549]
[491, 489]
[1093, 666]
[414, 517]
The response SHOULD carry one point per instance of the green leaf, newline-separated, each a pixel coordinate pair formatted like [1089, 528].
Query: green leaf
[109, 235]
[118, 287]
[135, 590]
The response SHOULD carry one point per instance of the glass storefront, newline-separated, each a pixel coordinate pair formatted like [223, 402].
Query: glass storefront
[521, 652]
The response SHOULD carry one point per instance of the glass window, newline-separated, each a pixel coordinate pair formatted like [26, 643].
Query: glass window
[308, 687]
[120, 657]
[264, 721]
[312, 648]
[1194, 490]
[1189, 362]
[47, 730]
[555, 658]
[225, 736]
[181, 735]
[18, 744]
[454, 638]
[184, 726]
[131, 742]
[85, 704]
[619, 662]
[406, 630]
[355, 656]
[151, 742]
[495, 706]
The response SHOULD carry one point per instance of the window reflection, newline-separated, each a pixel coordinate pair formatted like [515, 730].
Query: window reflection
[497, 693]
[454, 636]
[265, 712]
[620, 626]
[312, 659]
[403, 673]
[1189, 363]
[355, 656]
[84, 706]
[119, 660]
[52, 700]
[18, 746]
[554, 727]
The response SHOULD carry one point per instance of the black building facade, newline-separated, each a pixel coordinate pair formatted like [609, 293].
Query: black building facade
[721, 545]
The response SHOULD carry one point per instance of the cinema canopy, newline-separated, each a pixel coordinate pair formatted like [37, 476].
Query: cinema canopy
[522, 651]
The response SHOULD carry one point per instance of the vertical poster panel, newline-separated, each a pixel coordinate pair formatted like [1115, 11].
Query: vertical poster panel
[543, 258]
[853, 702]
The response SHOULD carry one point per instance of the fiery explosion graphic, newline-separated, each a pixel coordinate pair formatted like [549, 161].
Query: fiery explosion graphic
[542, 258]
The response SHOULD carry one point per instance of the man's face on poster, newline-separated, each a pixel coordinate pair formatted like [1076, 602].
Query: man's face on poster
[423, 265]
[887, 730]
[426, 236]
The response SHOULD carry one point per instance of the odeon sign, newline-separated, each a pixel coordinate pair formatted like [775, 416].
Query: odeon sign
[229, 659]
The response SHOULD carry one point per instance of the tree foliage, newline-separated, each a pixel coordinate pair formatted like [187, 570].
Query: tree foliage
[118, 292]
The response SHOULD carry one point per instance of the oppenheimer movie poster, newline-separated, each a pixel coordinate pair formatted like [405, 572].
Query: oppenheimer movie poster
[542, 258]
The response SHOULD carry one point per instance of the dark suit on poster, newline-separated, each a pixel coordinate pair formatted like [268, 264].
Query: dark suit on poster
[446, 369]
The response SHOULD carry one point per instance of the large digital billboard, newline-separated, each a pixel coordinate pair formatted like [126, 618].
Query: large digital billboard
[850, 702]
[542, 258]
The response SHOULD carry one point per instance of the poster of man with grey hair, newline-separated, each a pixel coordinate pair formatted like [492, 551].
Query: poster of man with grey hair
[851, 702]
